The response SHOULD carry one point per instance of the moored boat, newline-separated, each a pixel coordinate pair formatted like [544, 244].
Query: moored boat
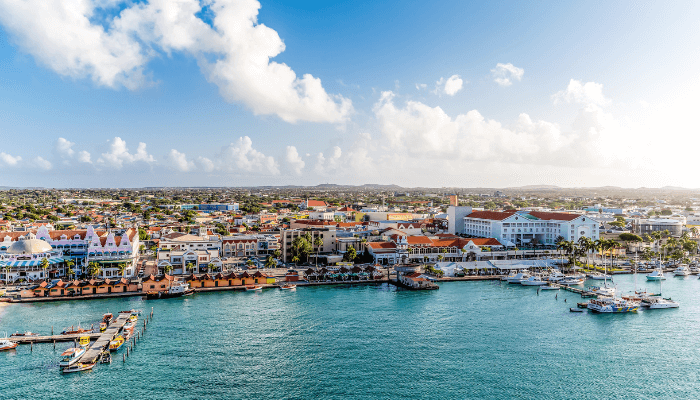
[288, 287]
[602, 290]
[612, 305]
[571, 281]
[177, 289]
[71, 356]
[657, 275]
[7, 344]
[116, 344]
[534, 281]
[78, 367]
[250, 288]
[655, 303]
[74, 331]
[682, 270]
[520, 276]
[598, 276]
[550, 286]
[25, 334]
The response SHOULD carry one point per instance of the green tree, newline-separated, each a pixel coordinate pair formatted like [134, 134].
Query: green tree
[44, 264]
[167, 269]
[270, 262]
[121, 267]
[350, 255]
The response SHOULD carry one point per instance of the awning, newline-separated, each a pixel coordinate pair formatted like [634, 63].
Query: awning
[30, 263]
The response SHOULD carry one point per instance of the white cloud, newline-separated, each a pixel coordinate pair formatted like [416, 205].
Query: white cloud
[505, 74]
[449, 86]
[64, 148]
[119, 154]
[205, 164]
[294, 160]
[421, 86]
[41, 163]
[241, 156]
[84, 157]
[234, 53]
[178, 161]
[582, 93]
[9, 160]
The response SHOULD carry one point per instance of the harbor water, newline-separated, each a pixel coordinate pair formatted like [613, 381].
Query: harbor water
[468, 340]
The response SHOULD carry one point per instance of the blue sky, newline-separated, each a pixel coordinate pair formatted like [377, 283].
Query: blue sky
[590, 93]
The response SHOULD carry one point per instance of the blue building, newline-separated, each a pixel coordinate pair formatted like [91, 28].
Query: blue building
[218, 207]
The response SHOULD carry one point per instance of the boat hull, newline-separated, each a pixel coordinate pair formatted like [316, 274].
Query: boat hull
[166, 295]
[8, 347]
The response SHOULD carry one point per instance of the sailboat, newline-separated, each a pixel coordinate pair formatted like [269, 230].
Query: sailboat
[658, 302]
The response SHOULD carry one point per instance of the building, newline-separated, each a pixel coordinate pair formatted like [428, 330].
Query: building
[250, 245]
[218, 207]
[404, 249]
[647, 226]
[326, 234]
[189, 261]
[26, 258]
[455, 218]
[184, 241]
[529, 228]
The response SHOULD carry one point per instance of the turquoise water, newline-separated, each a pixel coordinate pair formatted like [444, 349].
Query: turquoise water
[466, 340]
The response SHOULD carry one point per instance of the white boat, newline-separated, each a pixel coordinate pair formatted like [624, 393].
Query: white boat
[612, 305]
[71, 356]
[555, 276]
[599, 277]
[288, 287]
[569, 281]
[534, 280]
[78, 367]
[550, 286]
[602, 290]
[656, 303]
[577, 276]
[694, 270]
[657, 275]
[7, 344]
[250, 288]
[682, 270]
[522, 275]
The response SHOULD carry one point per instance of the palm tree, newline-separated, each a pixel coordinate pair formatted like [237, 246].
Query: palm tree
[586, 245]
[167, 269]
[270, 262]
[189, 267]
[121, 267]
[295, 259]
[7, 274]
[318, 242]
[69, 264]
[94, 268]
[44, 264]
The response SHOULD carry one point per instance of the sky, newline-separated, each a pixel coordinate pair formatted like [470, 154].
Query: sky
[109, 93]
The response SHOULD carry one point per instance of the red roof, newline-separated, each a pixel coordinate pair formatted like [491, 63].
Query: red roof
[382, 245]
[316, 203]
[419, 240]
[492, 215]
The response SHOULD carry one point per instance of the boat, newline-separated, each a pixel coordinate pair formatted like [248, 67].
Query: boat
[656, 275]
[106, 357]
[575, 309]
[71, 356]
[177, 289]
[569, 281]
[602, 290]
[7, 344]
[582, 305]
[555, 276]
[550, 286]
[107, 318]
[84, 341]
[612, 305]
[598, 276]
[694, 270]
[288, 287]
[116, 344]
[534, 280]
[25, 334]
[250, 288]
[74, 331]
[656, 303]
[103, 326]
[78, 367]
[682, 270]
[522, 275]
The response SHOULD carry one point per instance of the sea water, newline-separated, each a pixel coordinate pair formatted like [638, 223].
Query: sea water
[468, 340]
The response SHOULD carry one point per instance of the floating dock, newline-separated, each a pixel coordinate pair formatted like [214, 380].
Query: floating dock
[53, 338]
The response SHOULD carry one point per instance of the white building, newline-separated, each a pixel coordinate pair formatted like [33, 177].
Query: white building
[525, 228]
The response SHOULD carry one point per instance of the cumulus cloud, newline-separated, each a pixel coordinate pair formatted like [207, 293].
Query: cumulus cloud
[84, 157]
[421, 86]
[63, 148]
[205, 164]
[41, 163]
[119, 155]
[63, 151]
[449, 86]
[505, 74]
[582, 93]
[178, 161]
[294, 160]
[9, 160]
[234, 52]
[241, 156]
[326, 165]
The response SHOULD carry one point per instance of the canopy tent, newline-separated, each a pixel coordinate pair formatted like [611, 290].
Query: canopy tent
[30, 263]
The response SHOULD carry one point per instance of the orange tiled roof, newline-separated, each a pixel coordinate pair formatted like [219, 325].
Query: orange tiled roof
[554, 216]
[492, 215]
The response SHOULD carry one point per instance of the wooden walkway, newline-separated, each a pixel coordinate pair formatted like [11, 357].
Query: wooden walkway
[95, 350]
[53, 338]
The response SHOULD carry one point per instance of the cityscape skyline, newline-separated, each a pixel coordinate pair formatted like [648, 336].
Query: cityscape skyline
[419, 95]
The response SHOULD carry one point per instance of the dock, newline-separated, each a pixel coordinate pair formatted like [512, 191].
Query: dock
[98, 346]
[53, 338]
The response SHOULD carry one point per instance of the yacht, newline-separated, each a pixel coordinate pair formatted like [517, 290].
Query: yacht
[6, 344]
[656, 303]
[599, 277]
[571, 281]
[612, 305]
[602, 290]
[534, 280]
[555, 276]
[657, 275]
[682, 270]
[522, 275]
[694, 270]
[550, 286]
[71, 356]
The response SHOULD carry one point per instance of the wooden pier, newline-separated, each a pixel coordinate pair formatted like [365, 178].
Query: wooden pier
[95, 350]
[53, 338]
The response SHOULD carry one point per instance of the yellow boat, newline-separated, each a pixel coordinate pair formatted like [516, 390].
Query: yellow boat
[115, 344]
[84, 341]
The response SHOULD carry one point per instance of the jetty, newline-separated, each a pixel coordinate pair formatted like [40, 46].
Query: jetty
[53, 338]
[98, 346]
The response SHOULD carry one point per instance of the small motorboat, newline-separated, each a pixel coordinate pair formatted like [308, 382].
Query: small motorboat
[250, 288]
[177, 289]
[602, 290]
[7, 344]
[106, 357]
[78, 367]
[550, 286]
[657, 303]
[288, 287]
[74, 331]
[534, 280]
[599, 277]
[71, 356]
[582, 305]
[682, 270]
[103, 326]
[576, 309]
[571, 281]
[657, 275]
[116, 344]
[107, 318]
